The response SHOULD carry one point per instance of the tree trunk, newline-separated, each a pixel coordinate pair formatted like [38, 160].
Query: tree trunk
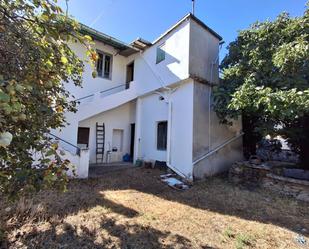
[251, 137]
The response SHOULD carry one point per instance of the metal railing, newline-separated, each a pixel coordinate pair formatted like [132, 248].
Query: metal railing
[104, 91]
[58, 138]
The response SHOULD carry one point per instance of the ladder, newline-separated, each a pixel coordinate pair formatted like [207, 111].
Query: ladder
[100, 140]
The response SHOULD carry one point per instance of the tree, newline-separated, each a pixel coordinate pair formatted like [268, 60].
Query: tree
[265, 79]
[35, 63]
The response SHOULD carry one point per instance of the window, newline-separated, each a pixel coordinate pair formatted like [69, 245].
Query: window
[162, 135]
[117, 141]
[160, 54]
[104, 65]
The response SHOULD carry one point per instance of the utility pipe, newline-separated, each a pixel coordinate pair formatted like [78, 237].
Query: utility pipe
[218, 148]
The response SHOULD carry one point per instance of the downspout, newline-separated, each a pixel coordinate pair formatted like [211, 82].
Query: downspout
[210, 90]
[169, 120]
[169, 133]
[209, 124]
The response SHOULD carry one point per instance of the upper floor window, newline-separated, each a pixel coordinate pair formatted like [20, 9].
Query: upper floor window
[160, 53]
[104, 65]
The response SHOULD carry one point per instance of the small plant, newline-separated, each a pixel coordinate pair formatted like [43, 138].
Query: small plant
[229, 233]
[243, 240]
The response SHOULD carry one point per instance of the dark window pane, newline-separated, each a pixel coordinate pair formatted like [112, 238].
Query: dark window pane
[100, 64]
[107, 66]
[162, 135]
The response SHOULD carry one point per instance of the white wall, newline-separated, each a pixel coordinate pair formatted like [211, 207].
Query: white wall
[150, 76]
[182, 129]
[152, 110]
[78, 163]
[92, 85]
[119, 118]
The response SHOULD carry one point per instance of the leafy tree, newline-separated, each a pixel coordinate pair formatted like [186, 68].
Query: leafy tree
[265, 79]
[35, 64]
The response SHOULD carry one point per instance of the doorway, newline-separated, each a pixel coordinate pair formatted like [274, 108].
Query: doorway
[132, 142]
[130, 74]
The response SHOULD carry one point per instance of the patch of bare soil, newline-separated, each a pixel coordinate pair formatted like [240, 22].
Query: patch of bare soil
[134, 209]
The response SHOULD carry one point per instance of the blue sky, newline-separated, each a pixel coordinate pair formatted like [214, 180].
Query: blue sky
[129, 19]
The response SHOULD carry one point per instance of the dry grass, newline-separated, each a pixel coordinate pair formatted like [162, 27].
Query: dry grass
[133, 209]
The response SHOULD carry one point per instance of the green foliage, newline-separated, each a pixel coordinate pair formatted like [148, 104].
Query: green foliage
[35, 64]
[265, 79]
[243, 240]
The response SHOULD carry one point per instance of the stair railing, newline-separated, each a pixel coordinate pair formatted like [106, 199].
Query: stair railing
[103, 91]
[58, 138]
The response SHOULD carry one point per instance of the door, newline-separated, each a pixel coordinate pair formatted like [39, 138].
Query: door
[130, 74]
[83, 136]
[132, 141]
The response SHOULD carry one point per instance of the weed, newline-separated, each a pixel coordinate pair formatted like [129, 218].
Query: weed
[243, 240]
[229, 233]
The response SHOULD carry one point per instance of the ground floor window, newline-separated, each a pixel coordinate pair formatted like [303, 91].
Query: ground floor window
[162, 135]
[83, 136]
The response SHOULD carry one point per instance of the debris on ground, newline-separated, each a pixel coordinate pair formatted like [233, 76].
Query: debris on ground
[300, 239]
[174, 182]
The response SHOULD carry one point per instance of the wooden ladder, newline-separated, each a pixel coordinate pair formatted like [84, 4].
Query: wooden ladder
[100, 141]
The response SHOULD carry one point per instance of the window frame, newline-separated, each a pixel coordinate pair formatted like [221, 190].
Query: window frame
[160, 48]
[103, 65]
[157, 135]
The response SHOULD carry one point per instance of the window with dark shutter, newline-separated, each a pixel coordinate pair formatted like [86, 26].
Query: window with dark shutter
[162, 135]
[104, 65]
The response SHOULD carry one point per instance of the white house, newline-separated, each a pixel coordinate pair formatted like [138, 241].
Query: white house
[154, 99]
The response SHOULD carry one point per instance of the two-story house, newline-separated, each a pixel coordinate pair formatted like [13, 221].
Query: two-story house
[152, 101]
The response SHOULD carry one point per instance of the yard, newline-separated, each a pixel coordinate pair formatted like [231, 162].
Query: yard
[134, 209]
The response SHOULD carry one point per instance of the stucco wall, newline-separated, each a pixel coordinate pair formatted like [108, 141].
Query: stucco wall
[152, 110]
[204, 51]
[92, 85]
[119, 118]
[149, 76]
[180, 125]
[209, 134]
[182, 129]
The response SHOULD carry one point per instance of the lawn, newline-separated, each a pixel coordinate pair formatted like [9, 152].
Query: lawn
[134, 209]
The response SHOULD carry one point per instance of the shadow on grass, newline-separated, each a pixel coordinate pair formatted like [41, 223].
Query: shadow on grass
[109, 235]
[215, 195]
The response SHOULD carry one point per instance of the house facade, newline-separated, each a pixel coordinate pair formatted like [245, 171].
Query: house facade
[152, 101]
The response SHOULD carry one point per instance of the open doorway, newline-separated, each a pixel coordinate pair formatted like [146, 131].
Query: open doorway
[130, 74]
[132, 142]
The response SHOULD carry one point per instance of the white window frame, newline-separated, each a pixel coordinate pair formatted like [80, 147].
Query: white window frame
[103, 65]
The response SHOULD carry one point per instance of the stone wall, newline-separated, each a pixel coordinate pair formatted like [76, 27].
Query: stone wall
[263, 175]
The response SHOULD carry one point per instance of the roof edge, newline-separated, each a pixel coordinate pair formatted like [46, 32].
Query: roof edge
[193, 17]
[99, 36]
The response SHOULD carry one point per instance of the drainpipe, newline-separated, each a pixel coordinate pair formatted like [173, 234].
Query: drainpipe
[170, 112]
[210, 90]
[169, 135]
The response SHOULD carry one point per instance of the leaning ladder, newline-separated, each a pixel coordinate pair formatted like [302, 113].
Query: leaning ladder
[100, 141]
